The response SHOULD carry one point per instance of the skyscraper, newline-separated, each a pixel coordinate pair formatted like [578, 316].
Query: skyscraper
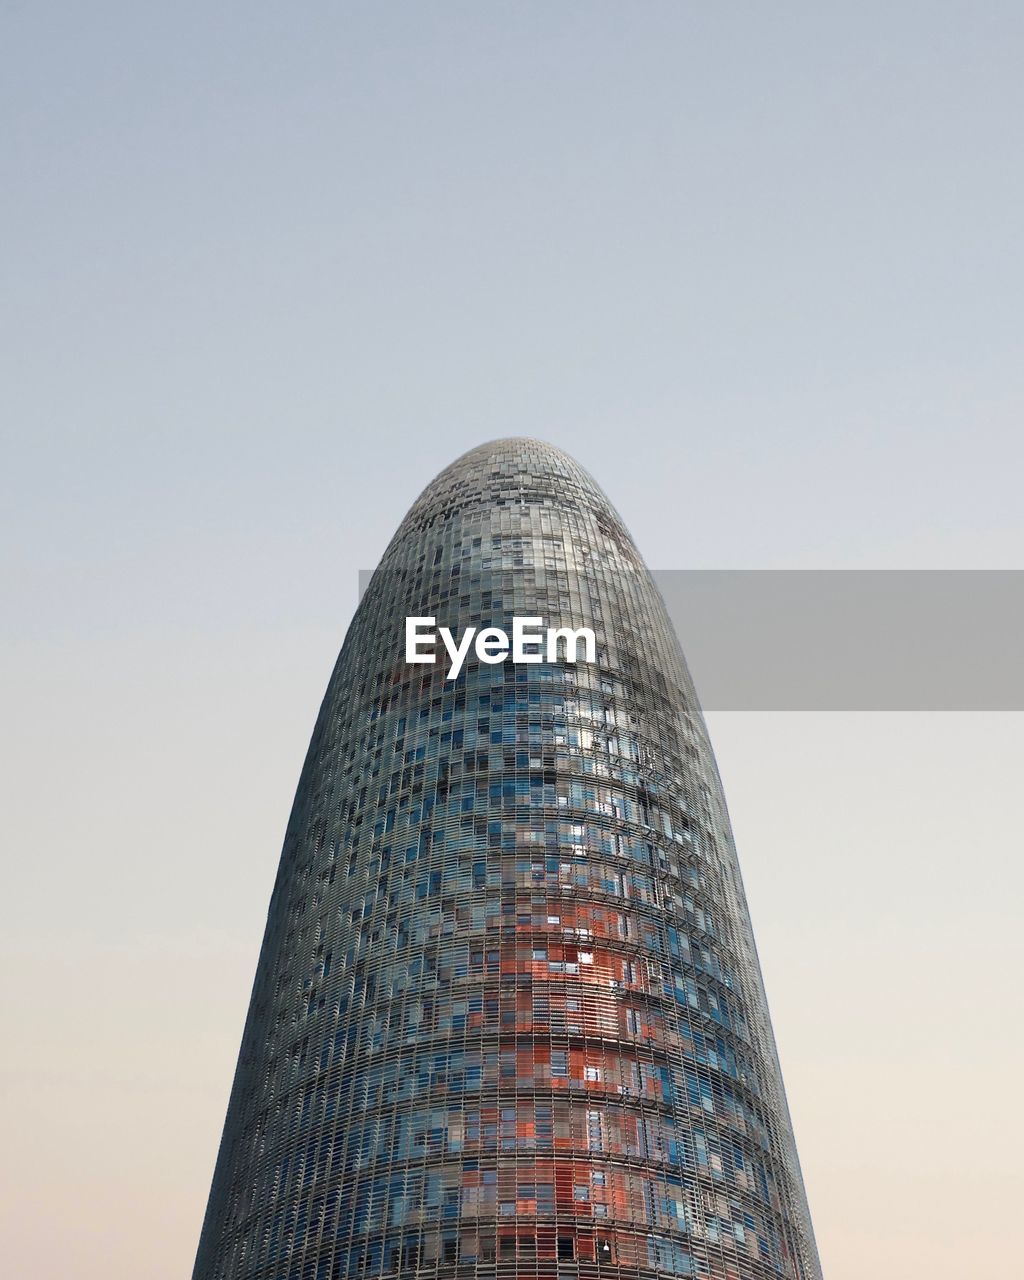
[508, 1016]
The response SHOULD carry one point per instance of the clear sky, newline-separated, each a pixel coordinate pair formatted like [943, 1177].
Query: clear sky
[266, 269]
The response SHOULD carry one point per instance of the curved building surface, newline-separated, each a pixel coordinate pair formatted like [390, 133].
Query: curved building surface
[508, 1016]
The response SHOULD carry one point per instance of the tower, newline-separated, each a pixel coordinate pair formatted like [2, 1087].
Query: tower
[508, 1016]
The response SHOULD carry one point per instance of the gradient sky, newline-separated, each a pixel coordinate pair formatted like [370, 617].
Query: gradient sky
[266, 269]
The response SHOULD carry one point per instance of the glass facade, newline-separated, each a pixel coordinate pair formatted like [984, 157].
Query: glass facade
[508, 1016]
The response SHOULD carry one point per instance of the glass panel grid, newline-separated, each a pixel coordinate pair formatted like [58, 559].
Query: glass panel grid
[508, 1017]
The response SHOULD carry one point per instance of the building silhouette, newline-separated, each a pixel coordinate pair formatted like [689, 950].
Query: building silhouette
[508, 1016]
